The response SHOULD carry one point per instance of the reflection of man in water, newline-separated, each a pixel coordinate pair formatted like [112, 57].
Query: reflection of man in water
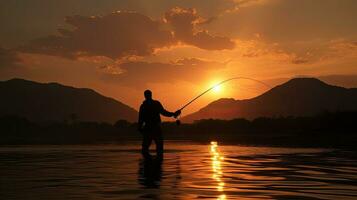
[150, 124]
[150, 173]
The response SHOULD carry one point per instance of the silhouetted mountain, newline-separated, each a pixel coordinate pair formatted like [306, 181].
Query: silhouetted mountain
[297, 97]
[55, 102]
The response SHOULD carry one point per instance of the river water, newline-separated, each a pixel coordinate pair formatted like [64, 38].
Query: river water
[189, 171]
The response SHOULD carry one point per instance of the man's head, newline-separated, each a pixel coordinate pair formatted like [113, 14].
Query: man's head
[148, 94]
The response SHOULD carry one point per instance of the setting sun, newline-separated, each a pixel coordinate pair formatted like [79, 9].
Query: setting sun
[217, 88]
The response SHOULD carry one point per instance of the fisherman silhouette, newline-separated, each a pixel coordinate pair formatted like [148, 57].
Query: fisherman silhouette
[149, 124]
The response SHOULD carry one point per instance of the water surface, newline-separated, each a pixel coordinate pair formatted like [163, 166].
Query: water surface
[189, 171]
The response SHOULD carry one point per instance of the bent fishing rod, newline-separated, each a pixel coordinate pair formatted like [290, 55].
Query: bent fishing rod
[220, 83]
[216, 85]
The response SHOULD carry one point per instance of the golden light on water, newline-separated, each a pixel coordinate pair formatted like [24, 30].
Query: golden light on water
[217, 168]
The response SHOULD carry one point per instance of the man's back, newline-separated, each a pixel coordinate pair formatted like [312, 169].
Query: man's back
[149, 113]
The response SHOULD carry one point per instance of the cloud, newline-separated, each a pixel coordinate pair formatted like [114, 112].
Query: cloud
[299, 61]
[140, 73]
[297, 52]
[342, 46]
[9, 58]
[116, 35]
[238, 4]
[302, 29]
[122, 34]
[184, 24]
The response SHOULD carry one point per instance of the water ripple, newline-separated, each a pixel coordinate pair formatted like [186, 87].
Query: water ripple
[189, 171]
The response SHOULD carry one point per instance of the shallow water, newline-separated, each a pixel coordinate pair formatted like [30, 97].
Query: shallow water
[189, 171]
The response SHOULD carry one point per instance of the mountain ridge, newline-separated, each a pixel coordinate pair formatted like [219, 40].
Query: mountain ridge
[56, 102]
[296, 97]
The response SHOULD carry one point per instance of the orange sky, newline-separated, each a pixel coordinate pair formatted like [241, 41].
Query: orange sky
[177, 48]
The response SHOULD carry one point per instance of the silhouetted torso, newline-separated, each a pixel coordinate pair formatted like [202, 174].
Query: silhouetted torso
[149, 114]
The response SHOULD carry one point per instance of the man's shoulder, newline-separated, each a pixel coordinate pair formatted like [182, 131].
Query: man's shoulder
[156, 101]
[151, 103]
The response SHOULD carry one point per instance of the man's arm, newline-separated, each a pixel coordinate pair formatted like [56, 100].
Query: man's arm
[167, 113]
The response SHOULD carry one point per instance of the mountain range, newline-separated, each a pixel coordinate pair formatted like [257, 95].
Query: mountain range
[55, 102]
[296, 97]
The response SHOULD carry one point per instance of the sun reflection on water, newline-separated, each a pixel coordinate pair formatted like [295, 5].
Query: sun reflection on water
[217, 169]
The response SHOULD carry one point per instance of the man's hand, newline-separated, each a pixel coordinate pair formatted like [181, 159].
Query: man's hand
[177, 113]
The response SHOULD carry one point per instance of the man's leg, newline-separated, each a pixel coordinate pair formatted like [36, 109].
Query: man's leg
[159, 143]
[146, 145]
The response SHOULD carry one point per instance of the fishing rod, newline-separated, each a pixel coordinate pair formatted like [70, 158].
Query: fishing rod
[216, 85]
[220, 83]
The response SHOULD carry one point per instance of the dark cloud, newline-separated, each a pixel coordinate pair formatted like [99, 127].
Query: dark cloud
[22, 21]
[139, 73]
[184, 24]
[122, 34]
[8, 58]
[115, 35]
